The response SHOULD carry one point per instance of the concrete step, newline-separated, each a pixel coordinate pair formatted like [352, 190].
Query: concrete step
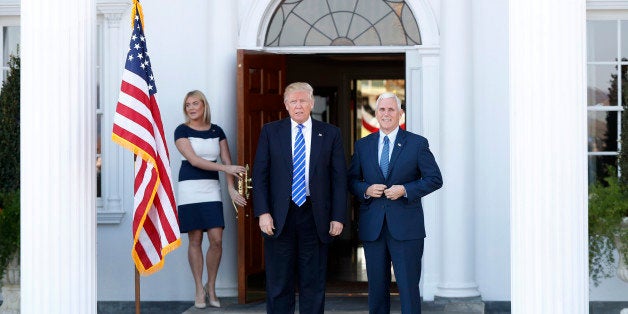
[344, 305]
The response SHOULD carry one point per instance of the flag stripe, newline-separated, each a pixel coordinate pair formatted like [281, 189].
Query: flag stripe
[145, 183]
[136, 114]
[137, 144]
[165, 221]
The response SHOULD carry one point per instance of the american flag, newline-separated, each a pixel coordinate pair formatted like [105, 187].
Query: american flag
[137, 126]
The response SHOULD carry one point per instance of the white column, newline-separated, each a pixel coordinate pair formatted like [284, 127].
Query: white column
[423, 117]
[58, 225]
[548, 171]
[457, 276]
[221, 94]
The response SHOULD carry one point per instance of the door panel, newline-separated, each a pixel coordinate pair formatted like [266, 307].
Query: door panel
[261, 82]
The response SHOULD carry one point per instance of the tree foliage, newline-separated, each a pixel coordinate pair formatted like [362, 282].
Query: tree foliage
[10, 164]
[10, 128]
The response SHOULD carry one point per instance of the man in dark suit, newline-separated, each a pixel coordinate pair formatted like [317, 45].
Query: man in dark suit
[391, 170]
[300, 197]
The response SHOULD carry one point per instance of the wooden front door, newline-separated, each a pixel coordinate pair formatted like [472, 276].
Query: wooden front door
[261, 82]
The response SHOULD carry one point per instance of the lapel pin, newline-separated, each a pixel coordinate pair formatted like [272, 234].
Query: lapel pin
[319, 134]
[399, 144]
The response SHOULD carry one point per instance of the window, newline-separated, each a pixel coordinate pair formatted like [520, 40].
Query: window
[10, 42]
[110, 166]
[607, 91]
[99, 115]
[343, 23]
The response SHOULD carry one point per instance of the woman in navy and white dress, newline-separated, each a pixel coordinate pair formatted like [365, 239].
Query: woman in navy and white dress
[199, 201]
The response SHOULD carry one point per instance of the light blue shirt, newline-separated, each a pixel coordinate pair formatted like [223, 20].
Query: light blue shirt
[392, 136]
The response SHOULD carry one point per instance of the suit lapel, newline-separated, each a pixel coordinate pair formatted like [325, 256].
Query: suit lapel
[316, 143]
[398, 146]
[285, 139]
[372, 161]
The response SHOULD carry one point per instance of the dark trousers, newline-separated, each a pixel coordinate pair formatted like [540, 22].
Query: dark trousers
[405, 256]
[296, 256]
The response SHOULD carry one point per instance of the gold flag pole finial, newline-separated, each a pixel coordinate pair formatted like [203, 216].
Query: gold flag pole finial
[137, 11]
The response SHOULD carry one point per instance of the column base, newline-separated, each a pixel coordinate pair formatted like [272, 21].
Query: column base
[459, 290]
[471, 305]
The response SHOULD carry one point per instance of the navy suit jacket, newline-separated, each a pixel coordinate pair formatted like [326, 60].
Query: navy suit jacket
[272, 175]
[411, 165]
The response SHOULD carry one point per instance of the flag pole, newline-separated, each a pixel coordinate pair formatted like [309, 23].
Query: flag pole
[137, 290]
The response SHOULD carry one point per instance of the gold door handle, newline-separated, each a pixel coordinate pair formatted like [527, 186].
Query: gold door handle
[243, 185]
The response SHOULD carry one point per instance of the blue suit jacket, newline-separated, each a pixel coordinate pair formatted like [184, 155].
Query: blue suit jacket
[411, 165]
[272, 175]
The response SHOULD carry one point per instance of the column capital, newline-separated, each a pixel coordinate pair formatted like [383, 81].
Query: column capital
[113, 11]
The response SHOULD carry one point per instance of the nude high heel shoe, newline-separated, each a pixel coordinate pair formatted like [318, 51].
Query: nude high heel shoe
[201, 305]
[212, 303]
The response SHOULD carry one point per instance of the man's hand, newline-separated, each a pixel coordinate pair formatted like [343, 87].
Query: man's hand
[266, 224]
[335, 228]
[375, 190]
[394, 192]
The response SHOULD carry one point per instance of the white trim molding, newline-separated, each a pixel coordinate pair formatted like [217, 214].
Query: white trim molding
[109, 206]
[607, 5]
[10, 8]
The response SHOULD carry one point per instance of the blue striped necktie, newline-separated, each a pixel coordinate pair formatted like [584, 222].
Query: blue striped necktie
[298, 168]
[383, 160]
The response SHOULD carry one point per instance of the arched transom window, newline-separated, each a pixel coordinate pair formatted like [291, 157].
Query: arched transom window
[342, 23]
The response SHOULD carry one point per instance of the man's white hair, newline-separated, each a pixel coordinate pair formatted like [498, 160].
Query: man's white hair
[386, 96]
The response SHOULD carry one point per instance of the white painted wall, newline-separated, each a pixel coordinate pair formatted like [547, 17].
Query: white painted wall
[490, 99]
[183, 58]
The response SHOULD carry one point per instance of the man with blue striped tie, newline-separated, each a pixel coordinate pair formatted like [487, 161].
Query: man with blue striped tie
[300, 197]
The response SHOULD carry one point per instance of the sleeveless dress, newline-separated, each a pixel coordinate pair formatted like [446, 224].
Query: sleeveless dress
[198, 198]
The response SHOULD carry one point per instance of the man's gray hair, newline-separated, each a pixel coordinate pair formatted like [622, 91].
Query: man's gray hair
[386, 96]
[297, 87]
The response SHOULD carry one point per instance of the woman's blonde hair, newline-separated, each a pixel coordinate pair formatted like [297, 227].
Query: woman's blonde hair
[207, 116]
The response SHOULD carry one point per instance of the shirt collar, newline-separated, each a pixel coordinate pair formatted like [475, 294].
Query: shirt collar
[307, 124]
[391, 136]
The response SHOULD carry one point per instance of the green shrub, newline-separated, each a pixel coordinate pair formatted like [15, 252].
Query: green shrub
[10, 128]
[10, 164]
[608, 205]
[9, 227]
